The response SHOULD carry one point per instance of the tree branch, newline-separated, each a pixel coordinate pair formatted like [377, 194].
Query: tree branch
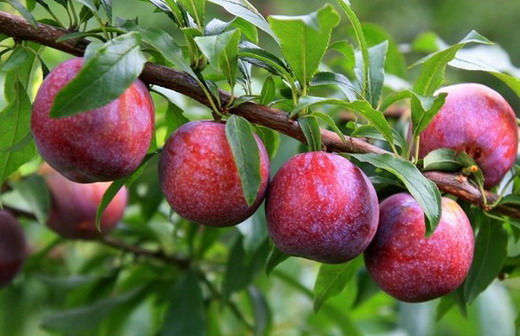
[275, 119]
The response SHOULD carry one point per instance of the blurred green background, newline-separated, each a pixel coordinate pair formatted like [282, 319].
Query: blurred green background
[23, 305]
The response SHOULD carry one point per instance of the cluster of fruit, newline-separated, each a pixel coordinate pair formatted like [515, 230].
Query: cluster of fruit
[319, 205]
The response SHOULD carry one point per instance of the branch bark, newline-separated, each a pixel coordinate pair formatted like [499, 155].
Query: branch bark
[276, 119]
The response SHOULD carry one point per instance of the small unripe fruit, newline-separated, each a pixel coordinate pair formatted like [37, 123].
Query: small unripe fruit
[74, 206]
[200, 179]
[13, 248]
[104, 144]
[412, 267]
[477, 120]
[320, 206]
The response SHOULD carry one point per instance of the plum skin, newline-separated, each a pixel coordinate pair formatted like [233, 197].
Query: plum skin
[322, 207]
[74, 206]
[479, 121]
[414, 268]
[199, 177]
[13, 248]
[98, 145]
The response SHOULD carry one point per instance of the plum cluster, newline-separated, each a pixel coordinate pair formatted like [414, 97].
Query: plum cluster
[319, 205]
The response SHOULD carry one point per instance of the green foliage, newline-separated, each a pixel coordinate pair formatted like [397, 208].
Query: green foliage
[161, 274]
[109, 71]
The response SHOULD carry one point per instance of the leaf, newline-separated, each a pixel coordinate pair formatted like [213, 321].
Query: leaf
[424, 109]
[166, 46]
[186, 314]
[244, 147]
[246, 11]
[103, 77]
[362, 107]
[311, 131]
[341, 81]
[304, 40]
[222, 52]
[270, 138]
[377, 57]
[196, 8]
[14, 127]
[332, 279]
[264, 59]
[268, 93]
[275, 258]
[491, 59]
[23, 12]
[446, 159]
[115, 186]
[88, 317]
[261, 311]
[434, 65]
[174, 118]
[423, 190]
[34, 190]
[490, 254]
[332, 124]
[241, 268]
[360, 37]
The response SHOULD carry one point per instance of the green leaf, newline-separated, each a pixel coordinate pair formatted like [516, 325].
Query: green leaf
[377, 57]
[34, 190]
[103, 77]
[491, 59]
[490, 254]
[90, 4]
[23, 12]
[222, 52]
[424, 109]
[262, 313]
[270, 138]
[268, 93]
[244, 147]
[174, 118]
[369, 131]
[88, 317]
[264, 59]
[196, 8]
[241, 268]
[423, 190]
[163, 42]
[304, 39]
[275, 258]
[329, 121]
[245, 10]
[360, 37]
[114, 188]
[186, 314]
[434, 65]
[362, 107]
[446, 159]
[15, 125]
[332, 279]
[341, 81]
[311, 131]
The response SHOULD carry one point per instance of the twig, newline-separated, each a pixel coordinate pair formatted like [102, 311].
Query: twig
[159, 255]
[276, 119]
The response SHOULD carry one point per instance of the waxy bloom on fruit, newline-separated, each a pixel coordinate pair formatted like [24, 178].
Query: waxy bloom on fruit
[410, 266]
[99, 145]
[74, 206]
[13, 248]
[200, 179]
[320, 206]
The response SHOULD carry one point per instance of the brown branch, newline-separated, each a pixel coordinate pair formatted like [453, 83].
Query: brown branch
[159, 255]
[276, 119]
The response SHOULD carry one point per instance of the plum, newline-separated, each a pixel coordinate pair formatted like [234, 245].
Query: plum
[479, 121]
[322, 207]
[410, 266]
[74, 206]
[98, 145]
[199, 177]
[13, 248]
